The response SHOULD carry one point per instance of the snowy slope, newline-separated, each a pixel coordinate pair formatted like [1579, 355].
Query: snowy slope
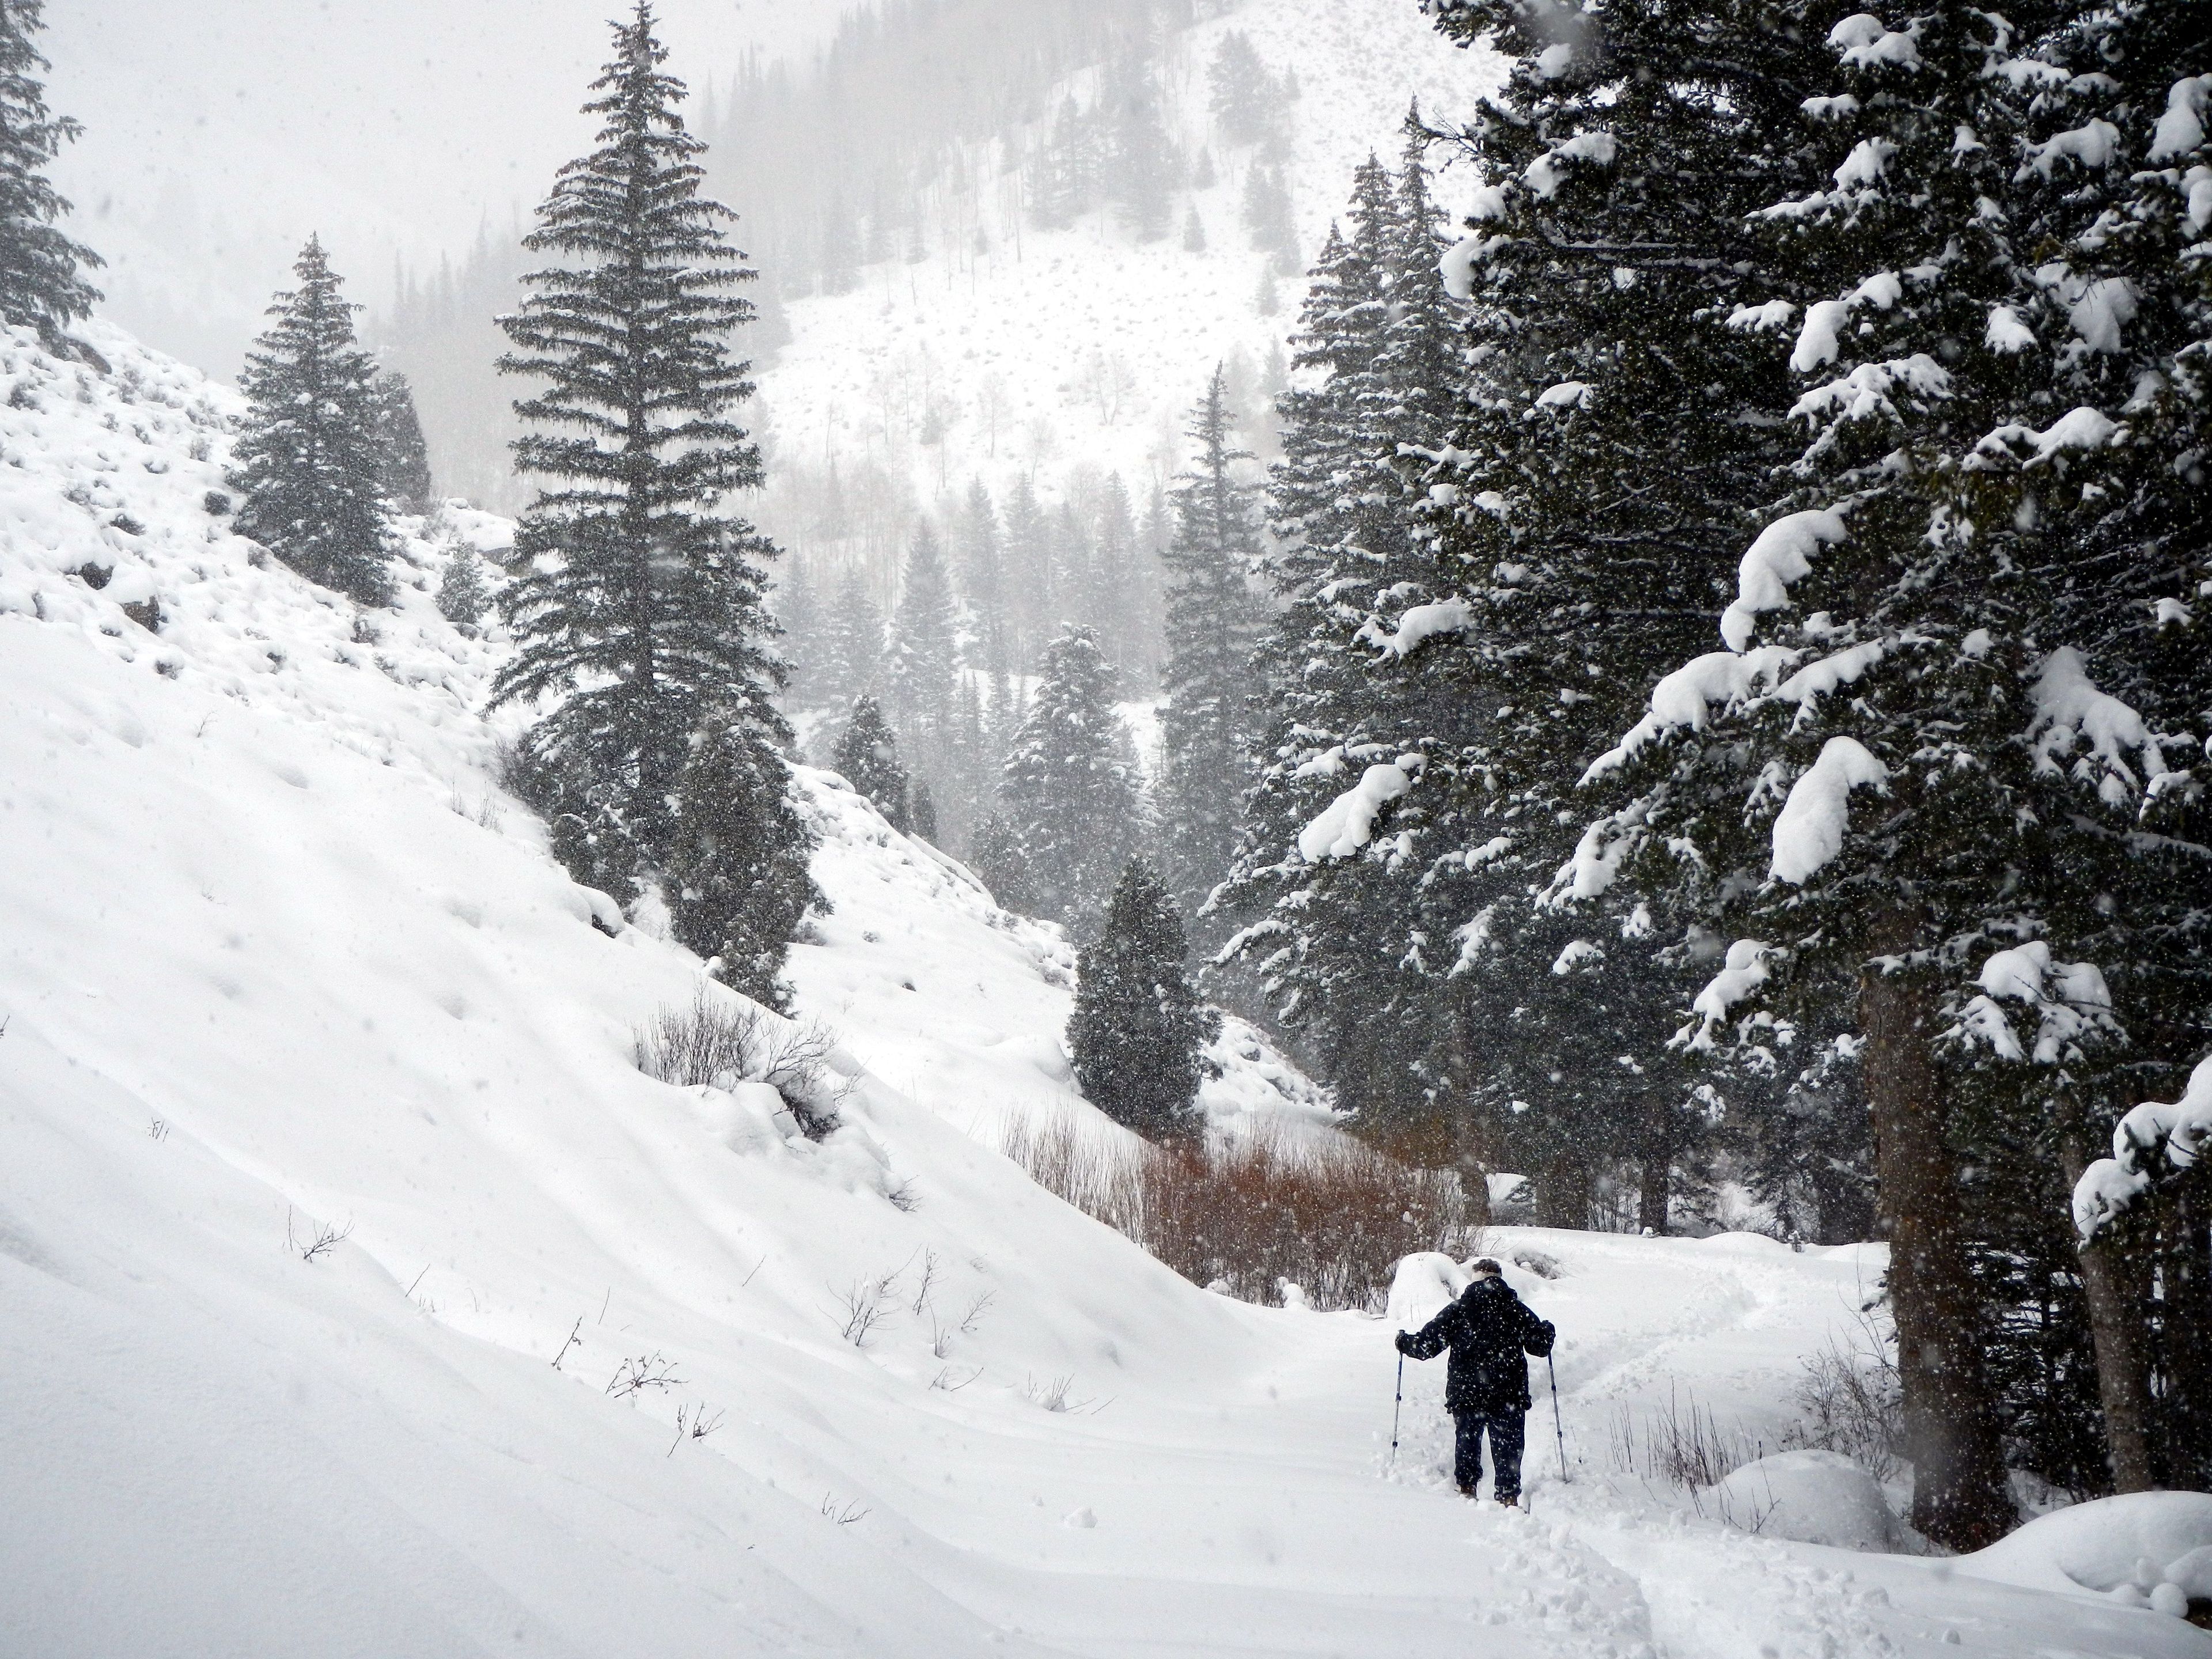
[1095, 346]
[276, 960]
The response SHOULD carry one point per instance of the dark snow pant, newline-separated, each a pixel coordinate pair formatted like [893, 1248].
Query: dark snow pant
[1506, 1429]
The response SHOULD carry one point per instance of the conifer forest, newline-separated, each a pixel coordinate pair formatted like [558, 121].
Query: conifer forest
[810, 814]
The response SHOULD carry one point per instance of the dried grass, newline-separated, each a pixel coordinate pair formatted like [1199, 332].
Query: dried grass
[1324, 1212]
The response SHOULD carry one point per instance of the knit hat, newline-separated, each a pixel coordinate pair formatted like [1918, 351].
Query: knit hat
[1486, 1265]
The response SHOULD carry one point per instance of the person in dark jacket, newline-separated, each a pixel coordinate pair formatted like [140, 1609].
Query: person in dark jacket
[1488, 1330]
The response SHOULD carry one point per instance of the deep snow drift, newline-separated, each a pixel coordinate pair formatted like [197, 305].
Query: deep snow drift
[278, 962]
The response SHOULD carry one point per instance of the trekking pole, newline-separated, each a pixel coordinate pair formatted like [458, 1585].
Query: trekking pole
[1557, 1430]
[1394, 1411]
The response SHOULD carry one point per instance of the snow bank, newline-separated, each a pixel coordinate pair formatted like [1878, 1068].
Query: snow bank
[2124, 1547]
[1424, 1285]
[1813, 1497]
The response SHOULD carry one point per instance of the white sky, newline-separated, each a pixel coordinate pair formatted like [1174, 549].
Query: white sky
[219, 134]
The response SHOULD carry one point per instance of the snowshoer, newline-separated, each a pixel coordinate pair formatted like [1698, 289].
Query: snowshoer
[1488, 1330]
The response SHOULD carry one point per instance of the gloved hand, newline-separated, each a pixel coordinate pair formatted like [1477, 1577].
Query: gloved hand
[1402, 1342]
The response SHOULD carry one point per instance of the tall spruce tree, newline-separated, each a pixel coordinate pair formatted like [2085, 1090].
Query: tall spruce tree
[638, 607]
[42, 283]
[1069, 788]
[406, 472]
[848, 646]
[1137, 1032]
[980, 550]
[1208, 677]
[867, 755]
[738, 866]
[308, 461]
[925, 655]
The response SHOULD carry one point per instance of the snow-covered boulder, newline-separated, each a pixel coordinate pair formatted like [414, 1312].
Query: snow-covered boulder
[2148, 1549]
[1424, 1284]
[1812, 1496]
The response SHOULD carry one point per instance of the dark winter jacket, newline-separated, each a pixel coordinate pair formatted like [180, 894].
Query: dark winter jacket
[1487, 1330]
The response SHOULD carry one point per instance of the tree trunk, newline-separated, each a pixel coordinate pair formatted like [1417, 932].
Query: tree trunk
[2185, 1267]
[1654, 1188]
[2111, 1286]
[1959, 1497]
[1563, 1192]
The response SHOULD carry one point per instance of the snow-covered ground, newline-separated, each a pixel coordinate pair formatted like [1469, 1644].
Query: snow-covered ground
[277, 960]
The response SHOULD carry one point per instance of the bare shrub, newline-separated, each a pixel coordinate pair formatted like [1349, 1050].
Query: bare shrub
[649, 1370]
[717, 1041]
[1681, 1443]
[861, 1307]
[1853, 1401]
[1326, 1213]
[320, 1243]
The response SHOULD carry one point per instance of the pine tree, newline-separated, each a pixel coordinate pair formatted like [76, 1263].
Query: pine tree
[1267, 218]
[404, 474]
[996, 854]
[463, 598]
[1245, 99]
[308, 462]
[1211, 630]
[1069, 790]
[1119, 579]
[1137, 1032]
[42, 283]
[1193, 232]
[924, 814]
[925, 653]
[848, 647]
[739, 863]
[1142, 166]
[866, 756]
[638, 605]
[983, 581]
[1028, 568]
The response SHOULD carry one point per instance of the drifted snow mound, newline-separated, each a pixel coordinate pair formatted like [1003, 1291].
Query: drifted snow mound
[1424, 1285]
[2148, 1548]
[1812, 1496]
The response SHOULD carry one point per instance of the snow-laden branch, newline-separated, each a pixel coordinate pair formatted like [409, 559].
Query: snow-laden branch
[1742, 972]
[2178, 1130]
[1347, 823]
[1809, 831]
[2069, 1002]
[1780, 555]
[2071, 713]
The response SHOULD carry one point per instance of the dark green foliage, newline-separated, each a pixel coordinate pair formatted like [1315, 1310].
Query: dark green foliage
[1212, 627]
[1069, 788]
[308, 462]
[42, 283]
[848, 648]
[1137, 1030]
[738, 864]
[868, 757]
[995, 852]
[463, 598]
[1267, 218]
[1249, 103]
[406, 471]
[1193, 232]
[1142, 166]
[924, 653]
[636, 606]
[924, 814]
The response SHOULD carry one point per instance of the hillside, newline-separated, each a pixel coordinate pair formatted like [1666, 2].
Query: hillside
[361, 1295]
[1038, 350]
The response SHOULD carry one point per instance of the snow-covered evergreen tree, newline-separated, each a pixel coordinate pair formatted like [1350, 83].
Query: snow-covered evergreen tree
[1267, 218]
[848, 647]
[1027, 574]
[1246, 99]
[406, 472]
[979, 546]
[462, 596]
[1137, 1030]
[868, 757]
[42, 282]
[308, 463]
[737, 867]
[924, 651]
[995, 854]
[637, 605]
[1142, 166]
[1069, 790]
[1207, 676]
